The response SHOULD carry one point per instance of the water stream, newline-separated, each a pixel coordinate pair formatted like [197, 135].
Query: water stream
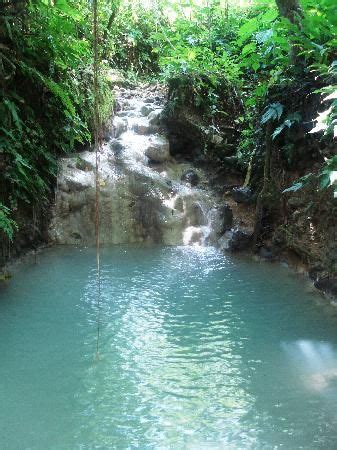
[145, 194]
[198, 351]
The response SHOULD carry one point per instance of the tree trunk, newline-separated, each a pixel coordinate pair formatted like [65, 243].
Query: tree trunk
[292, 10]
[260, 204]
[114, 10]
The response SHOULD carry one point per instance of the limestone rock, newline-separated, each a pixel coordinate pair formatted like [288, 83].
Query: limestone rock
[139, 202]
[265, 253]
[119, 126]
[191, 177]
[143, 127]
[158, 149]
[327, 285]
[226, 216]
[145, 110]
[240, 240]
[117, 147]
[242, 195]
[154, 117]
[296, 202]
[235, 240]
[196, 214]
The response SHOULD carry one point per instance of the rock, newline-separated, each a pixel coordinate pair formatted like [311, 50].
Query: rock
[159, 149]
[119, 126]
[226, 218]
[193, 235]
[127, 113]
[139, 201]
[145, 110]
[236, 240]
[4, 276]
[217, 139]
[221, 218]
[117, 147]
[242, 195]
[241, 240]
[78, 184]
[154, 117]
[265, 253]
[149, 100]
[81, 164]
[327, 284]
[222, 243]
[191, 177]
[296, 202]
[196, 214]
[76, 235]
[107, 135]
[115, 78]
[143, 127]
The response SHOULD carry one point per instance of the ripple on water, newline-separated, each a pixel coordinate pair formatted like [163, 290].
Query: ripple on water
[196, 351]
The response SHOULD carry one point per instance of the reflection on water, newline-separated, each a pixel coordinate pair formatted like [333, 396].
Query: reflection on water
[197, 351]
[316, 364]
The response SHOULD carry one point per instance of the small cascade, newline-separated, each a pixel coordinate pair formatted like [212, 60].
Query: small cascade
[146, 196]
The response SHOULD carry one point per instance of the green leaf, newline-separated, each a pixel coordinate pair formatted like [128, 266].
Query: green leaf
[269, 16]
[272, 112]
[13, 110]
[7, 225]
[249, 48]
[299, 184]
[295, 187]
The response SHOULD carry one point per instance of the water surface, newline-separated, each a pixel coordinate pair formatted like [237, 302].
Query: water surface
[197, 351]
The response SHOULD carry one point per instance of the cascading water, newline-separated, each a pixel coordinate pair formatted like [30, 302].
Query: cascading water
[143, 195]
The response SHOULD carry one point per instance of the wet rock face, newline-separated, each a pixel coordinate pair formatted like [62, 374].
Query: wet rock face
[155, 117]
[142, 195]
[191, 177]
[235, 241]
[242, 195]
[327, 284]
[158, 149]
[226, 214]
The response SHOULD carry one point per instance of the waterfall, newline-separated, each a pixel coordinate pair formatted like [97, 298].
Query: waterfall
[146, 195]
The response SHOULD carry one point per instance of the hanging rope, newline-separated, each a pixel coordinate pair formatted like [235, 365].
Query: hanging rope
[98, 144]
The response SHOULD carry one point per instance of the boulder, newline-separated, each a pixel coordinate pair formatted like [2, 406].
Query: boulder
[119, 126]
[158, 149]
[265, 253]
[327, 284]
[143, 127]
[196, 214]
[240, 240]
[296, 202]
[107, 134]
[217, 139]
[242, 195]
[221, 218]
[145, 110]
[115, 78]
[191, 177]
[117, 147]
[154, 117]
[236, 240]
[226, 217]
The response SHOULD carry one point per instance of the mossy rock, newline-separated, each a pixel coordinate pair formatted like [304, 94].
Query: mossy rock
[5, 276]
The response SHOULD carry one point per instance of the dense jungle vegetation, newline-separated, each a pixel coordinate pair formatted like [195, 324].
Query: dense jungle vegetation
[263, 71]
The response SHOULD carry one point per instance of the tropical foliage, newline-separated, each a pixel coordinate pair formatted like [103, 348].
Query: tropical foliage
[45, 94]
[270, 64]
